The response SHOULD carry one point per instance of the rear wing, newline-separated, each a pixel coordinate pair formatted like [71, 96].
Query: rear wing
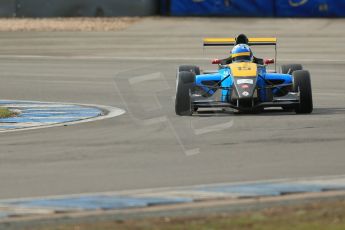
[232, 41]
[271, 41]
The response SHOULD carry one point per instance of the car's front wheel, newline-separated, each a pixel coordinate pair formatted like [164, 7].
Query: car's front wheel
[184, 86]
[302, 85]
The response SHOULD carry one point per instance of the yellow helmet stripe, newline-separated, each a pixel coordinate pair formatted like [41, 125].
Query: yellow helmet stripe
[240, 54]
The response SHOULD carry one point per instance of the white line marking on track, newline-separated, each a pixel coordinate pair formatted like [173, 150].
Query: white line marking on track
[214, 128]
[144, 78]
[70, 107]
[332, 180]
[112, 112]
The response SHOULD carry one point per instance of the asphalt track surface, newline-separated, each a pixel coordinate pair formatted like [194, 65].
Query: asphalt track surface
[149, 146]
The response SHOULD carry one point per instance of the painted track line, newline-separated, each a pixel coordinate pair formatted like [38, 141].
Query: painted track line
[38, 114]
[167, 196]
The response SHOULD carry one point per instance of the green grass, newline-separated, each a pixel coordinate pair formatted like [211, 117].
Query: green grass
[316, 216]
[4, 113]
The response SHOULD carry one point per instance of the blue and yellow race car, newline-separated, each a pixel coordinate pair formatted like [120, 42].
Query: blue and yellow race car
[242, 82]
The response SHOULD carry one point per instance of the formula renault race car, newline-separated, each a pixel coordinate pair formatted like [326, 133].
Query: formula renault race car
[246, 86]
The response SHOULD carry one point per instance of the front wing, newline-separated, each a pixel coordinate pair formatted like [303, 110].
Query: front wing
[288, 100]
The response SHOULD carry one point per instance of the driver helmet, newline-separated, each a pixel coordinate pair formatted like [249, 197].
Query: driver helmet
[241, 52]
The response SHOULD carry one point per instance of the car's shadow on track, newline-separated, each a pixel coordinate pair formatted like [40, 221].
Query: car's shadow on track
[270, 112]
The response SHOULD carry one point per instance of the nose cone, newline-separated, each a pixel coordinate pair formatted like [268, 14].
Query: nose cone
[244, 87]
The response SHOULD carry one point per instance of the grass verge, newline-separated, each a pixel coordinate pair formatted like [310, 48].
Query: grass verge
[5, 113]
[321, 215]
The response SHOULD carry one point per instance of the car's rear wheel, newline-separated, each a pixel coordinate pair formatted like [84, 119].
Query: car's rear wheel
[196, 70]
[302, 85]
[184, 86]
[290, 68]
[189, 68]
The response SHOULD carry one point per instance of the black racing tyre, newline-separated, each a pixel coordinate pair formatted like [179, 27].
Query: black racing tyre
[302, 84]
[184, 86]
[290, 68]
[189, 68]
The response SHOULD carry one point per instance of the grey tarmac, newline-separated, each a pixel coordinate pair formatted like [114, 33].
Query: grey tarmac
[149, 146]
